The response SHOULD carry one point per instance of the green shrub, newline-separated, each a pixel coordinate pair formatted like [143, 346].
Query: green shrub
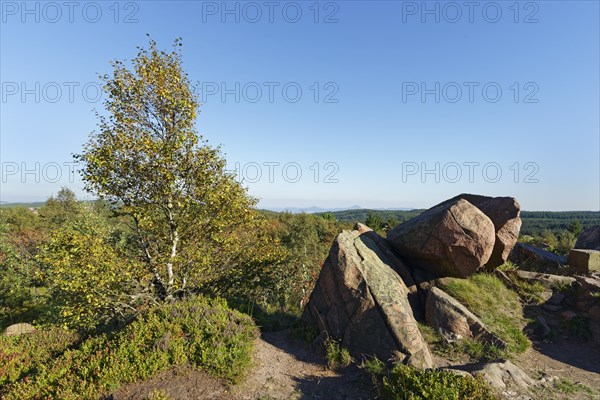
[201, 332]
[497, 306]
[336, 355]
[305, 331]
[268, 317]
[407, 383]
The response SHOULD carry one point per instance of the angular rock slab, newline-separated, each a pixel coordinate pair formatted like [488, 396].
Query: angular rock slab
[360, 299]
[499, 374]
[504, 212]
[417, 302]
[445, 312]
[524, 253]
[584, 261]
[454, 238]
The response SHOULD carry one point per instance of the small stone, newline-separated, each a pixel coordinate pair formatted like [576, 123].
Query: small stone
[19, 329]
[556, 298]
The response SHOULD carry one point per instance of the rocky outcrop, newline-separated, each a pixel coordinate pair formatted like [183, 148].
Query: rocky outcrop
[454, 238]
[565, 298]
[504, 212]
[415, 298]
[442, 311]
[589, 239]
[371, 290]
[361, 299]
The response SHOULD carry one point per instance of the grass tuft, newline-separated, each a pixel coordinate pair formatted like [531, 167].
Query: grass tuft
[336, 355]
[497, 306]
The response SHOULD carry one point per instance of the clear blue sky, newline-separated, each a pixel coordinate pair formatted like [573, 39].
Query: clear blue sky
[374, 58]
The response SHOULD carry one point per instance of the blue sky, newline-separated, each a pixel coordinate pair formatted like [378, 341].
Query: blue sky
[498, 99]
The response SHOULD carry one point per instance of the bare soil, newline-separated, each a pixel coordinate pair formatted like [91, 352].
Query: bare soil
[283, 368]
[572, 360]
[288, 368]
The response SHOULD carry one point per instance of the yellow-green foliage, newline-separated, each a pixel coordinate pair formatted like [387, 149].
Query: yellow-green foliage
[496, 305]
[89, 281]
[20, 237]
[204, 333]
[148, 157]
[407, 383]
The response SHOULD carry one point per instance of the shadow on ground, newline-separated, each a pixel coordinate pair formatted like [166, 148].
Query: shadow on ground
[577, 353]
[335, 388]
[310, 376]
[572, 350]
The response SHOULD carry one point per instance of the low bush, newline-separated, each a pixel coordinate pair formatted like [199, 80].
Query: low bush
[21, 356]
[402, 382]
[203, 333]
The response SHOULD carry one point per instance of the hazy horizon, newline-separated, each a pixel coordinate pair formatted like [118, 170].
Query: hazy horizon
[303, 208]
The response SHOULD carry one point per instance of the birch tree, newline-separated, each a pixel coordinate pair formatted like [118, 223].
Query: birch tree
[148, 159]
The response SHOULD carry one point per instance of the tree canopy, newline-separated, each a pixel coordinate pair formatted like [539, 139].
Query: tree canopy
[148, 158]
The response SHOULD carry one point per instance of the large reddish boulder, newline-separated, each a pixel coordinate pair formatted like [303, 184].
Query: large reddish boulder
[361, 299]
[454, 238]
[504, 212]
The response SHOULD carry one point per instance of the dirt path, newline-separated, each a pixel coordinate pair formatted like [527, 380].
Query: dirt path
[283, 368]
[286, 368]
[574, 361]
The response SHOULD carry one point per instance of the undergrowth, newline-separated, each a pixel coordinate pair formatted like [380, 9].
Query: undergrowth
[402, 382]
[197, 331]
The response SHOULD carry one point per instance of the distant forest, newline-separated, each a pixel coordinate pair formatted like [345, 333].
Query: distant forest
[534, 222]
